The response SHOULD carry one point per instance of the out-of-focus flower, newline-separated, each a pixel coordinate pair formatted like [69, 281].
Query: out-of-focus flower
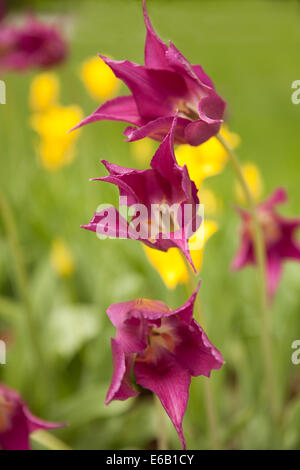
[171, 265]
[142, 150]
[56, 147]
[34, 44]
[165, 347]
[61, 258]
[212, 204]
[279, 238]
[17, 422]
[253, 177]
[207, 159]
[165, 185]
[44, 91]
[197, 244]
[167, 84]
[98, 78]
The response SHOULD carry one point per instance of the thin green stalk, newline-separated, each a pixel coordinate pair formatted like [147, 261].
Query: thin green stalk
[161, 425]
[48, 440]
[207, 385]
[260, 255]
[21, 279]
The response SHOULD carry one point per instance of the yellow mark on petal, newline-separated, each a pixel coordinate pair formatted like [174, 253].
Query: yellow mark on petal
[99, 80]
[253, 177]
[61, 258]
[44, 91]
[207, 159]
[170, 265]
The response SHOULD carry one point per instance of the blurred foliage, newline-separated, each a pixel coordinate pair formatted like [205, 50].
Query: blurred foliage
[250, 49]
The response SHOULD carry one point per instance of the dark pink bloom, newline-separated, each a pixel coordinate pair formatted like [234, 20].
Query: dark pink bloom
[165, 348]
[17, 422]
[279, 236]
[165, 85]
[34, 44]
[163, 193]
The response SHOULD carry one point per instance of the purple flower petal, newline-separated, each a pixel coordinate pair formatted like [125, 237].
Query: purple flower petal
[122, 108]
[170, 382]
[120, 387]
[155, 48]
[157, 130]
[154, 90]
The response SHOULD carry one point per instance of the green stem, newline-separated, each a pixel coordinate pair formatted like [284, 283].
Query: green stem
[21, 279]
[207, 385]
[260, 255]
[48, 440]
[161, 425]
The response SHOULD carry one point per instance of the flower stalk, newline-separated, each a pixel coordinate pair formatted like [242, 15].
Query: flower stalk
[21, 279]
[259, 248]
[208, 395]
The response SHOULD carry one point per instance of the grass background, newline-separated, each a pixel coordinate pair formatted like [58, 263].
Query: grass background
[251, 50]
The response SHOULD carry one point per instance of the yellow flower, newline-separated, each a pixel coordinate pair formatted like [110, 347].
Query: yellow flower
[56, 146]
[44, 91]
[198, 241]
[142, 150]
[211, 203]
[98, 78]
[171, 265]
[254, 180]
[61, 258]
[207, 159]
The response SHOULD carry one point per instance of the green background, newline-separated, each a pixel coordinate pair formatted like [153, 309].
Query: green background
[251, 51]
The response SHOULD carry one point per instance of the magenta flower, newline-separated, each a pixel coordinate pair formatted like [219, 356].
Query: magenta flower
[17, 422]
[34, 44]
[162, 199]
[278, 235]
[165, 85]
[165, 348]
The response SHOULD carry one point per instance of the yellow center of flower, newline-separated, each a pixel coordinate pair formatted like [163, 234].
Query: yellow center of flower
[6, 412]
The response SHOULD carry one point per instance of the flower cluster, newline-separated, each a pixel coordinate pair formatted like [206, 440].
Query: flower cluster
[172, 102]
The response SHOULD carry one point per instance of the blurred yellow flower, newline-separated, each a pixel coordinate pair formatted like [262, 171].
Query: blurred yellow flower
[56, 146]
[254, 180]
[198, 240]
[142, 150]
[171, 265]
[61, 258]
[99, 80]
[207, 159]
[211, 203]
[44, 91]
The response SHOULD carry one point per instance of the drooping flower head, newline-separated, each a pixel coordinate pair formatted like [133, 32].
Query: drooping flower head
[17, 422]
[166, 84]
[162, 202]
[279, 238]
[165, 348]
[34, 44]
